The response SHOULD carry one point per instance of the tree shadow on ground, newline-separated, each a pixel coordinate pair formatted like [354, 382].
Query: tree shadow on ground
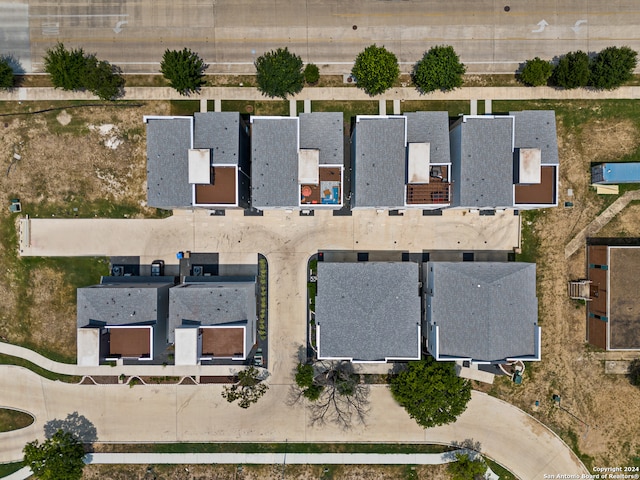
[471, 447]
[78, 425]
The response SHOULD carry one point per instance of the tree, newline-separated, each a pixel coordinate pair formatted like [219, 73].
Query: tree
[439, 69]
[572, 70]
[248, 390]
[334, 392]
[279, 73]
[464, 468]
[536, 72]
[612, 67]
[7, 77]
[431, 392]
[375, 70]
[634, 372]
[58, 458]
[184, 69]
[311, 73]
[67, 68]
[103, 79]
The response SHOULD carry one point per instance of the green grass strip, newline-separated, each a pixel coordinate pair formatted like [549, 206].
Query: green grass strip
[11, 360]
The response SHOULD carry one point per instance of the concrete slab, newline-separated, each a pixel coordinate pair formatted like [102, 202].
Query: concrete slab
[293, 108]
[474, 107]
[217, 105]
[396, 106]
[307, 106]
[382, 106]
[203, 104]
[488, 108]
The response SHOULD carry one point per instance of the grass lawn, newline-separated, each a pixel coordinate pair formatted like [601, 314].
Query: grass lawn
[7, 469]
[257, 107]
[10, 360]
[13, 420]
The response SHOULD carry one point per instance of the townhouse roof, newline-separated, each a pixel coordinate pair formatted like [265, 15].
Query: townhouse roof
[368, 311]
[537, 129]
[323, 131]
[218, 131]
[432, 128]
[486, 311]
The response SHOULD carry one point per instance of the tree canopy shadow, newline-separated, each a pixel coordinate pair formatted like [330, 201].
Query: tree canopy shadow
[78, 425]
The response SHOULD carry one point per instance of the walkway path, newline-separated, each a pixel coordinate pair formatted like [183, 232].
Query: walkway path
[267, 459]
[335, 93]
[600, 221]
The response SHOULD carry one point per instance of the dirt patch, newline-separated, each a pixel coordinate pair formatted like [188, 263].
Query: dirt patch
[595, 408]
[264, 472]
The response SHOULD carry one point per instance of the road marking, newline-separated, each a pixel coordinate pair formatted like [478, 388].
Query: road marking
[50, 28]
[118, 27]
[542, 24]
[576, 26]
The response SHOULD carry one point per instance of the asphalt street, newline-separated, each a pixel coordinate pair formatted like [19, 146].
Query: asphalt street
[489, 35]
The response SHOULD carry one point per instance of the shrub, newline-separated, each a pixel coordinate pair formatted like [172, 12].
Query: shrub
[439, 69]
[612, 67]
[184, 69]
[375, 70]
[311, 74]
[572, 70]
[536, 72]
[634, 372]
[7, 77]
[279, 73]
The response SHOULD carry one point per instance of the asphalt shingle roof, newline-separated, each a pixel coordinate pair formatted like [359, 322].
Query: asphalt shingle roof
[118, 304]
[323, 131]
[274, 162]
[218, 131]
[211, 303]
[487, 311]
[368, 311]
[537, 129]
[380, 162]
[485, 176]
[168, 143]
[433, 128]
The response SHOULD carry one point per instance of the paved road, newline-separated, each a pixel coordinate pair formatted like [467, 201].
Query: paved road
[230, 34]
[198, 413]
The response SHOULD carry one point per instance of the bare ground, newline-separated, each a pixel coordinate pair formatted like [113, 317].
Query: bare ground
[598, 412]
[64, 157]
[265, 472]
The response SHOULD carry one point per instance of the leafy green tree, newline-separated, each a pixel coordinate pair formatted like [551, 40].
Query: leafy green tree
[439, 69]
[184, 69]
[634, 372]
[375, 70]
[612, 67]
[536, 72]
[67, 68]
[279, 73]
[7, 77]
[311, 73]
[103, 79]
[58, 458]
[248, 390]
[572, 70]
[431, 392]
[305, 381]
[464, 468]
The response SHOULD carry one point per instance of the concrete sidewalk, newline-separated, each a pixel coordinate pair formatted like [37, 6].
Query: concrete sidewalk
[266, 459]
[334, 93]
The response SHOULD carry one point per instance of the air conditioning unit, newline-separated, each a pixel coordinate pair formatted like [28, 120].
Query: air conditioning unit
[198, 270]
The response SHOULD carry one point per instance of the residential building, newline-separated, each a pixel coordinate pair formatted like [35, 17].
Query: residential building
[199, 161]
[368, 312]
[613, 309]
[212, 318]
[122, 318]
[505, 161]
[297, 162]
[481, 312]
[401, 161]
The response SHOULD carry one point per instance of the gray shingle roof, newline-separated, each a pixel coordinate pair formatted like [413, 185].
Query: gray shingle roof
[368, 311]
[274, 162]
[537, 129]
[168, 143]
[211, 303]
[485, 174]
[486, 311]
[433, 128]
[219, 131]
[324, 131]
[379, 162]
[118, 304]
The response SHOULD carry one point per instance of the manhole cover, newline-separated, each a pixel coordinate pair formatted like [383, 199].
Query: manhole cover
[249, 108]
[355, 27]
[507, 8]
